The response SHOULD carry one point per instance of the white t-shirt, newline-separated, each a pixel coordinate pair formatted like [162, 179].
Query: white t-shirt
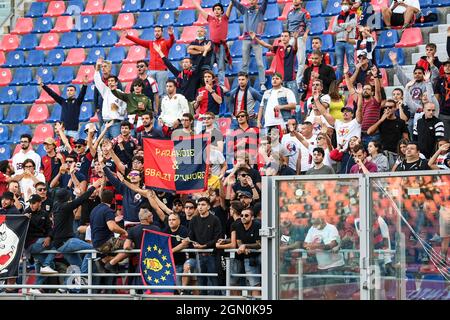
[317, 122]
[401, 9]
[346, 130]
[384, 230]
[21, 156]
[329, 258]
[27, 185]
[272, 96]
[306, 162]
[293, 146]
[216, 158]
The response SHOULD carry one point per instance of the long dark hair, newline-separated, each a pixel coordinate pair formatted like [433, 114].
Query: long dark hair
[333, 91]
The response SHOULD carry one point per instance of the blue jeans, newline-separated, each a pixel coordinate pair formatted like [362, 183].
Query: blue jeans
[113, 131]
[219, 58]
[75, 244]
[161, 78]
[208, 265]
[294, 87]
[257, 49]
[253, 266]
[301, 56]
[348, 49]
[42, 260]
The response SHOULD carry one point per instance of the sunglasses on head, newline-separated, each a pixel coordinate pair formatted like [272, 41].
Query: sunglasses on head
[133, 174]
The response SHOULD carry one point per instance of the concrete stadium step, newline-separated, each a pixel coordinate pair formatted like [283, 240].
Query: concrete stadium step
[442, 28]
[408, 70]
[438, 37]
[439, 47]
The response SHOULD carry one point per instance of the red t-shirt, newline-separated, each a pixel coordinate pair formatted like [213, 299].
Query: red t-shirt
[218, 29]
[3, 183]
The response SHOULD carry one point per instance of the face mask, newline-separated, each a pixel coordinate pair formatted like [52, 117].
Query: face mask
[345, 8]
[341, 92]
[200, 38]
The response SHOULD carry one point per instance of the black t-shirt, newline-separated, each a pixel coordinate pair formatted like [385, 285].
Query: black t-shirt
[249, 236]
[86, 209]
[135, 233]
[182, 231]
[421, 164]
[195, 58]
[391, 131]
[222, 214]
[100, 216]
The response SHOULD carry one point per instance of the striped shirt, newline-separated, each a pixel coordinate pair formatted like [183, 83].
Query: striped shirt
[426, 132]
[371, 113]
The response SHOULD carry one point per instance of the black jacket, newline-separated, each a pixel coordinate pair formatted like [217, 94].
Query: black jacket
[326, 74]
[40, 225]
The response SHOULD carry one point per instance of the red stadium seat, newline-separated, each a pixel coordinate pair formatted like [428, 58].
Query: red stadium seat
[93, 7]
[272, 68]
[330, 26]
[42, 132]
[9, 42]
[286, 9]
[189, 34]
[89, 70]
[55, 9]
[23, 26]
[379, 4]
[128, 72]
[94, 118]
[124, 21]
[75, 57]
[38, 114]
[63, 24]
[45, 98]
[5, 77]
[135, 54]
[411, 37]
[124, 42]
[2, 57]
[186, 5]
[112, 6]
[48, 41]
[201, 21]
[224, 124]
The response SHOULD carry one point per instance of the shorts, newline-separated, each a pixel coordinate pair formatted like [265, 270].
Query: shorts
[444, 222]
[397, 19]
[337, 271]
[111, 245]
[192, 263]
[253, 266]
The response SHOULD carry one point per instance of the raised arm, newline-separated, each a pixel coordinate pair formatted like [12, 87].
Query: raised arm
[144, 43]
[83, 90]
[359, 109]
[260, 41]
[63, 137]
[50, 92]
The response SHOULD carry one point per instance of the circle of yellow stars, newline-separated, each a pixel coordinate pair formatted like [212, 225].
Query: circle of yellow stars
[167, 265]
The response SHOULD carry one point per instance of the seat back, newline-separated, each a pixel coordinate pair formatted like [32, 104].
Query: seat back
[38, 114]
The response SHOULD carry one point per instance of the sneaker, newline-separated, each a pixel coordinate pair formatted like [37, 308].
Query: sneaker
[48, 270]
[112, 268]
[34, 291]
[263, 88]
[61, 291]
[435, 238]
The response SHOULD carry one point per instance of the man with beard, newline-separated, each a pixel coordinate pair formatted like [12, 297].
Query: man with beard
[173, 106]
[148, 130]
[150, 86]
[124, 144]
[24, 153]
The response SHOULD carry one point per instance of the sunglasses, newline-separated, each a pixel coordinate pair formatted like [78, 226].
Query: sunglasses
[189, 207]
[134, 174]
[241, 116]
[245, 215]
[141, 66]
[41, 189]
[79, 146]
[69, 162]
[243, 175]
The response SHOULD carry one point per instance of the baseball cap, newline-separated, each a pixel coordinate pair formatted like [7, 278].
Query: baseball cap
[81, 141]
[362, 53]
[244, 194]
[35, 198]
[347, 108]
[50, 140]
[8, 195]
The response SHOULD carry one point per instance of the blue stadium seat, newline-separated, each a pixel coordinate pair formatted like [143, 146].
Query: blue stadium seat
[71, 7]
[386, 62]
[425, 3]
[85, 23]
[68, 40]
[176, 33]
[166, 19]
[37, 9]
[327, 42]
[88, 39]
[152, 5]
[208, 3]
[45, 73]
[35, 58]
[170, 5]
[314, 8]
[147, 34]
[116, 54]
[234, 17]
[55, 115]
[132, 6]
[273, 29]
[387, 39]
[253, 67]
[317, 26]
[441, 3]
[8, 95]
[40, 150]
[16, 114]
[236, 49]
[64, 75]
[235, 83]
[103, 22]
[234, 69]
[55, 57]
[86, 112]
[186, 18]
[4, 131]
[233, 31]
[272, 12]
[22, 76]
[5, 152]
[18, 131]
[108, 38]
[28, 94]
[1, 114]
[177, 52]
[94, 54]
[42, 25]
[144, 20]
[28, 42]
[90, 90]
[14, 59]
[333, 8]
[426, 12]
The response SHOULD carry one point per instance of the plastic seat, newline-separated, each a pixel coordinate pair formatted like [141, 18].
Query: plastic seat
[314, 8]
[46, 75]
[85, 23]
[188, 35]
[236, 49]
[5, 152]
[55, 115]
[68, 40]
[38, 114]
[23, 26]
[379, 4]
[37, 9]
[135, 53]
[386, 62]
[148, 34]
[108, 38]
[224, 124]
[208, 3]
[103, 22]
[55, 9]
[333, 8]
[2, 58]
[8, 95]
[186, 5]
[94, 54]
[273, 29]
[144, 20]
[284, 13]
[426, 12]
[233, 31]
[124, 42]
[63, 24]
[35, 59]
[177, 52]
[63, 75]
[329, 30]
[42, 132]
[170, 5]
[75, 57]
[16, 114]
[253, 67]
[127, 72]
[272, 12]
[89, 96]
[42, 25]
[116, 54]
[9, 42]
[411, 37]
[84, 70]
[152, 5]
[86, 112]
[166, 19]
[14, 59]
[441, 3]
[88, 39]
[22, 76]
[5, 77]
[55, 57]
[112, 6]
[28, 42]
[387, 39]
[201, 21]
[132, 6]
[4, 132]
[425, 3]
[236, 66]
[317, 26]
[28, 94]
[74, 7]
[45, 98]
[185, 18]
[93, 7]
[124, 21]
[49, 41]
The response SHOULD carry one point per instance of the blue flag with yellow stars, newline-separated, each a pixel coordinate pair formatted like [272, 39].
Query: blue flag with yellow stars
[157, 264]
